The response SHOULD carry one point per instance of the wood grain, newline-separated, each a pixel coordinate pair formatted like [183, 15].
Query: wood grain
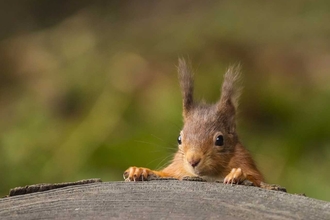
[166, 199]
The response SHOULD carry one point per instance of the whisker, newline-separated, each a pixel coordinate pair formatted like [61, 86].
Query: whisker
[153, 144]
[162, 159]
[168, 159]
[164, 165]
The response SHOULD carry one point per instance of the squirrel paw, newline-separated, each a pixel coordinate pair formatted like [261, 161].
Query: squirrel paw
[236, 175]
[137, 174]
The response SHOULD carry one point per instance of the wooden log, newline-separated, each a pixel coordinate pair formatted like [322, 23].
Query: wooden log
[162, 199]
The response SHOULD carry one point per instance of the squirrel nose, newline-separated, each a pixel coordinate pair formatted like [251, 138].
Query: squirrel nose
[194, 162]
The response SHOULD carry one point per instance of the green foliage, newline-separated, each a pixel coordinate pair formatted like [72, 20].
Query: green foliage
[95, 91]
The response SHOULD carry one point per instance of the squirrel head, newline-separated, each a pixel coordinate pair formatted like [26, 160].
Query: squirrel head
[208, 138]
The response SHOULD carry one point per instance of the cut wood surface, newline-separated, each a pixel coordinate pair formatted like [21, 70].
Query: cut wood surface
[166, 199]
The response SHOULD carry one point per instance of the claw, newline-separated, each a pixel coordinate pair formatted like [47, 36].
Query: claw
[125, 175]
[235, 176]
[137, 174]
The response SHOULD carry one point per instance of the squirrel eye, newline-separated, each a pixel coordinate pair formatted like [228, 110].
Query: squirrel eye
[179, 140]
[219, 140]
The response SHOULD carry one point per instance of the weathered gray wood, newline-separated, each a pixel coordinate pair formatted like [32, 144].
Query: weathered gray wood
[166, 199]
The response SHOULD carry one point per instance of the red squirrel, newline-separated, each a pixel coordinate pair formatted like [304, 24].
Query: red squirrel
[209, 147]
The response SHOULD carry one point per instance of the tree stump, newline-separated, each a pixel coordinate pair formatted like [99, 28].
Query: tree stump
[162, 199]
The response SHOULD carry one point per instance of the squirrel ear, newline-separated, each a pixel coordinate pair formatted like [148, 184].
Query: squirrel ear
[229, 98]
[187, 85]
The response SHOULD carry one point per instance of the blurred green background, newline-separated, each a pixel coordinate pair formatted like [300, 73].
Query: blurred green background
[89, 88]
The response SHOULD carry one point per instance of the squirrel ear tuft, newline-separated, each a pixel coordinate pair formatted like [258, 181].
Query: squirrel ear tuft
[187, 85]
[229, 98]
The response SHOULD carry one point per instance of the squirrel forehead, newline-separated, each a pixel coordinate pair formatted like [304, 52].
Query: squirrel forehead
[203, 120]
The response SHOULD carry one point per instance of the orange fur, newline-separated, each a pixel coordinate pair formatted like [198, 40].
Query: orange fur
[209, 145]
